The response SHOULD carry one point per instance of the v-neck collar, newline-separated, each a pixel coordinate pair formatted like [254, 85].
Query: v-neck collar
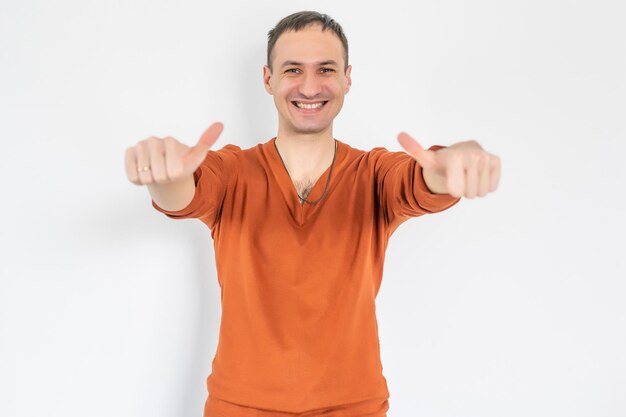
[301, 212]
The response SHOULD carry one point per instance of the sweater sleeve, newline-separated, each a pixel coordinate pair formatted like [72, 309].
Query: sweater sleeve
[402, 192]
[213, 178]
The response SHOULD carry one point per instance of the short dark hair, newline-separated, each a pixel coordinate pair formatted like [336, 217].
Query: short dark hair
[301, 20]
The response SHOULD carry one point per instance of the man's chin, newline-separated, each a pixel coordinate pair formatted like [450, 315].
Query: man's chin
[309, 130]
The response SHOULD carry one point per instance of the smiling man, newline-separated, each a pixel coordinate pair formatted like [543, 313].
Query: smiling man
[300, 225]
[308, 74]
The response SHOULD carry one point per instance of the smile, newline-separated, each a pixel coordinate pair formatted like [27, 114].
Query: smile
[309, 106]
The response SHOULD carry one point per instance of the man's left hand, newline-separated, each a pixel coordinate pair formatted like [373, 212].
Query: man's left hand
[464, 169]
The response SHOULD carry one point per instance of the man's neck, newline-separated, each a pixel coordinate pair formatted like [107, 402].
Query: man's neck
[306, 155]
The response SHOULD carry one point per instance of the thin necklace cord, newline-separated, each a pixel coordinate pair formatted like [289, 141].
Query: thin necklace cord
[304, 200]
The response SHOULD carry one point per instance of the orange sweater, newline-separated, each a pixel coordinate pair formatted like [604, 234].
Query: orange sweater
[299, 282]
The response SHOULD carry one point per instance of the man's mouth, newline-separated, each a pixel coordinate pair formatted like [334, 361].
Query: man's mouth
[309, 106]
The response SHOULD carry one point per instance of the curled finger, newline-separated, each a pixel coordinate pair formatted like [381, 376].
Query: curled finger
[143, 163]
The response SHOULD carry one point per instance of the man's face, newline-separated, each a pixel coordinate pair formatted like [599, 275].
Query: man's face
[308, 69]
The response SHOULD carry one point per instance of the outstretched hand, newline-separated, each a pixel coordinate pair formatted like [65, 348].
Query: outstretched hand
[464, 169]
[164, 160]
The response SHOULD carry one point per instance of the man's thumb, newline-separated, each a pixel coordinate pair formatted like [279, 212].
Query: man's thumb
[208, 138]
[417, 151]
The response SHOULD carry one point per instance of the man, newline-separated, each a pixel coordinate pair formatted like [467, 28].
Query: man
[300, 225]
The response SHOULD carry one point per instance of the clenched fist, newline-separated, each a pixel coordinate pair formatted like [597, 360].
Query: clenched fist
[165, 160]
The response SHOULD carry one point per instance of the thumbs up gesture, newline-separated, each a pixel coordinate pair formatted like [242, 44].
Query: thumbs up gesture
[165, 160]
[464, 169]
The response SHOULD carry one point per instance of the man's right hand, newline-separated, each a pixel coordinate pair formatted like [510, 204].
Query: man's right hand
[167, 160]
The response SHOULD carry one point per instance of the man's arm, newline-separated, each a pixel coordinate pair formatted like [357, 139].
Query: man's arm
[174, 196]
[401, 190]
[213, 179]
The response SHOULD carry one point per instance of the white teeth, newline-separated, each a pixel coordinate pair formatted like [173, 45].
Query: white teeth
[309, 106]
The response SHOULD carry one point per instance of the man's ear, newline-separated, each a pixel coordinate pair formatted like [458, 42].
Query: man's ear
[267, 75]
[348, 71]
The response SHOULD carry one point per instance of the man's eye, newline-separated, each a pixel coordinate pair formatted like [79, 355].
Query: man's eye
[327, 69]
[292, 69]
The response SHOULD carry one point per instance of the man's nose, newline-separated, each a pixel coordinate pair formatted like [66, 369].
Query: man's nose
[311, 85]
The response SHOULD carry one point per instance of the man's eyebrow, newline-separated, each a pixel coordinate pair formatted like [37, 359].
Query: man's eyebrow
[328, 62]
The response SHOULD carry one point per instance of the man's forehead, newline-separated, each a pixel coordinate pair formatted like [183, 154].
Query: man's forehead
[309, 46]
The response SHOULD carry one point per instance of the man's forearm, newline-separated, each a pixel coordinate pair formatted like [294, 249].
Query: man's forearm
[173, 196]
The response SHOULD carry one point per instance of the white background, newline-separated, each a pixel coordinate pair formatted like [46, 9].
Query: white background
[509, 305]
